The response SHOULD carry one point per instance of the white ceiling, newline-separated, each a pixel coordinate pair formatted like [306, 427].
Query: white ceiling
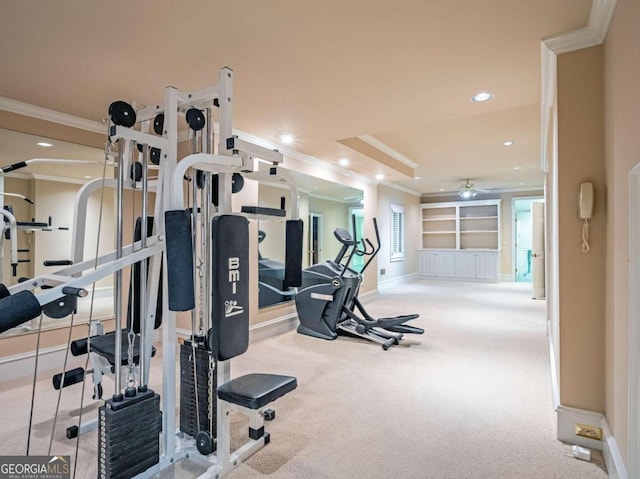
[400, 72]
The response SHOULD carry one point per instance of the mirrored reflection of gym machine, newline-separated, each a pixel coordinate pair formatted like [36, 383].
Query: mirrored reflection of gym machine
[186, 258]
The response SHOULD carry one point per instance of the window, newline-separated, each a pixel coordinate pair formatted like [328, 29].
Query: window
[397, 233]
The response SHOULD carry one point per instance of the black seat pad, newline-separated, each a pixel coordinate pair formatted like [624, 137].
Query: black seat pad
[105, 346]
[254, 391]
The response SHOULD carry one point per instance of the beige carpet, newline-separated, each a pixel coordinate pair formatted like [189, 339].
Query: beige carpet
[471, 398]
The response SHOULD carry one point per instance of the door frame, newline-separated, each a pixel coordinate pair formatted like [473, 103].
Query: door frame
[513, 229]
[634, 322]
[311, 216]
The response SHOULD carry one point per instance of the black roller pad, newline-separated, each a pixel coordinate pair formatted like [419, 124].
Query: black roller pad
[229, 334]
[17, 309]
[179, 239]
[293, 254]
[4, 292]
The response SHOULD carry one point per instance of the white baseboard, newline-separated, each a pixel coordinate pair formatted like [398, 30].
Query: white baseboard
[612, 457]
[569, 417]
[49, 359]
[506, 278]
[388, 283]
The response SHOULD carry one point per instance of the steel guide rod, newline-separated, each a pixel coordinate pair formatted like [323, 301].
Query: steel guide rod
[118, 273]
[143, 268]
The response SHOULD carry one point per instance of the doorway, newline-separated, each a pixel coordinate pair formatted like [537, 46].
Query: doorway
[315, 238]
[523, 239]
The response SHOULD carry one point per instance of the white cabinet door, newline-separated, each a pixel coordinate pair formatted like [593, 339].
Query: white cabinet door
[487, 266]
[445, 264]
[466, 265]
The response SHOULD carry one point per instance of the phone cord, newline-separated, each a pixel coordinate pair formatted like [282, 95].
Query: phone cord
[585, 237]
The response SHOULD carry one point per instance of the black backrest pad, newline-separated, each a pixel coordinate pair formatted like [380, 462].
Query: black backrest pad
[293, 259]
[229, 335]
[179, 260]
[135, 284]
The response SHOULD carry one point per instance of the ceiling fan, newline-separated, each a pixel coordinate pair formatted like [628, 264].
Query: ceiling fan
[467, 190]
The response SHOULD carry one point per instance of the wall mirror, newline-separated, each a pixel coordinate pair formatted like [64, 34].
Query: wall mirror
[323, 206]
[41, 198]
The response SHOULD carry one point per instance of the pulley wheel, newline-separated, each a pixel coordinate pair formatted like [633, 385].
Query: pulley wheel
[122, 114]
[158, 124]
[204, 443]
[201, 179]
[237, 183]
[195, 119]
[61, 307]
[135, 172]
[154, 156]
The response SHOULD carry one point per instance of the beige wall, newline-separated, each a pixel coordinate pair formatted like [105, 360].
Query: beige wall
[411, 207]
[581, 276]
[622, 113]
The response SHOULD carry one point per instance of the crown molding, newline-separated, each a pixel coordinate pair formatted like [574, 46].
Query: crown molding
[388, 150]
[589, 36]
[33, 111]
[401, 188]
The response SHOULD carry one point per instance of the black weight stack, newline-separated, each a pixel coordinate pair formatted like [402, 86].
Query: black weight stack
[188, 419]
[129, 436]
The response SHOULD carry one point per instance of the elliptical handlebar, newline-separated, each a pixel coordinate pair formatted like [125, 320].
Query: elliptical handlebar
[375, 249]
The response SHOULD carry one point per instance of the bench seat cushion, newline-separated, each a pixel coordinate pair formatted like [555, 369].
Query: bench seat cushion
[105, 346]
[254, 391]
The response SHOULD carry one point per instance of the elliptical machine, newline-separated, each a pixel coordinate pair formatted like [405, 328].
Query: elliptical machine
[271, 280]
[328, 298]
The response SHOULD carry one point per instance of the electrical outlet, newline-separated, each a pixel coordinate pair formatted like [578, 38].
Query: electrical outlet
[383, 271]
[590, 432]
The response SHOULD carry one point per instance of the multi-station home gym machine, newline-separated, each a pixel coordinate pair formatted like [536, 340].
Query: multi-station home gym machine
[182, 259]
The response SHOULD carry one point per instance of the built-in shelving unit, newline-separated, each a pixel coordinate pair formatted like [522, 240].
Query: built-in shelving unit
[461, 240]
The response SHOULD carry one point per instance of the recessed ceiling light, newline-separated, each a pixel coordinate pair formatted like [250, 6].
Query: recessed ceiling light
[508, 143]
[441, 189]
[44, 144]
[343, 161]
[516, 167]
[416, 177]
[379, 177]
[88, 177]
[286, 139]
[482, 96]
[521, 184]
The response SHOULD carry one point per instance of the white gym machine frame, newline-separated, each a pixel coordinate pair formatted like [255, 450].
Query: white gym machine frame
[242, 157]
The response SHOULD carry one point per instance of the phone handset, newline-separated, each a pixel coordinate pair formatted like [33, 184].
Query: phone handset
[585, 212]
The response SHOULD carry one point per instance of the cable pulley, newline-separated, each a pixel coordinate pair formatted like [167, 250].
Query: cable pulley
[122, 114]
[195, 119]
[158, 124]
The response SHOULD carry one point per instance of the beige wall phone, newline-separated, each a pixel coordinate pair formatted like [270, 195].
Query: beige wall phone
[585, 212]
